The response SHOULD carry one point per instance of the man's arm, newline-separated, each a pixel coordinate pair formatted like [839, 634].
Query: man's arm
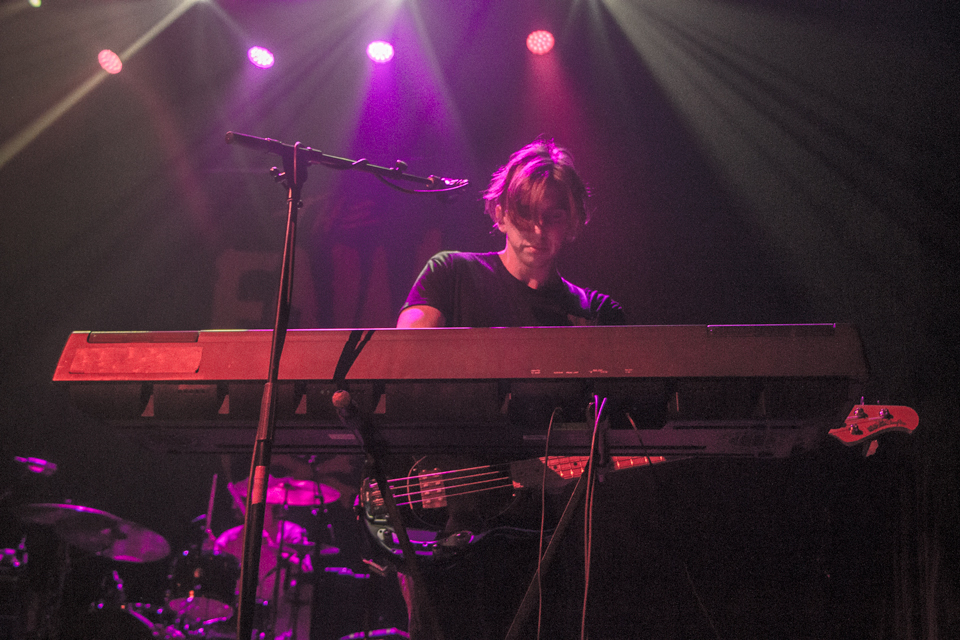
[421, 316]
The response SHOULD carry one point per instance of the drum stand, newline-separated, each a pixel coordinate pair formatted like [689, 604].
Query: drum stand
[287, 572]
[296, 600]
[282, 573]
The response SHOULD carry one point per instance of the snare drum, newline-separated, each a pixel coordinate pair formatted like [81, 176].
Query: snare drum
[203, 586]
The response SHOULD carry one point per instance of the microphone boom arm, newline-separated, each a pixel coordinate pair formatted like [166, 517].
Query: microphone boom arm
[313, 156]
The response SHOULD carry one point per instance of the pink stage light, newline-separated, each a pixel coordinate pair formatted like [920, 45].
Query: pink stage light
[109, 61]
[260, 57]
[540, 42]
[380, 52]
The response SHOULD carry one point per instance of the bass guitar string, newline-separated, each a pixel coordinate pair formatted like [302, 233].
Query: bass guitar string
[455, 483]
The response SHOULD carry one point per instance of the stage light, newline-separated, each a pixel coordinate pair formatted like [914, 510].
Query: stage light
[260, 57]
[34, 3]
[28, 134]
[380, 52]
[540, 42]
[109, 61]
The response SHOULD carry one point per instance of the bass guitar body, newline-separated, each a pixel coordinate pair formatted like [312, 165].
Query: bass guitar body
[449, 505]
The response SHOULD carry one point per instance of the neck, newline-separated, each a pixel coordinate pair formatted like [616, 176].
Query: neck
[534, 276]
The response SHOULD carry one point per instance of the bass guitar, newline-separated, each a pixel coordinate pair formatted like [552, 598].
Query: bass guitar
[447, 507]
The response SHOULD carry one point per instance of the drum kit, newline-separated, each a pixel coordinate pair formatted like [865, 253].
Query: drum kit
[200, 596]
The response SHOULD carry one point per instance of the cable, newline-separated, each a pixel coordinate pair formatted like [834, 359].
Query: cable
[588, 511]
[543, 521]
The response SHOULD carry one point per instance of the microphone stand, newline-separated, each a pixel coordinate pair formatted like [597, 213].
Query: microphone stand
[296, 158]
[293, 176]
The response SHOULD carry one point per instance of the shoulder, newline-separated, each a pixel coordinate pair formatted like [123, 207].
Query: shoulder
[450, 275]
[599, 307]
[462, 260]
[461, 264]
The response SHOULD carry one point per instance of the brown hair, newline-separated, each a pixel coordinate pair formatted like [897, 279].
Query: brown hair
[522, 181]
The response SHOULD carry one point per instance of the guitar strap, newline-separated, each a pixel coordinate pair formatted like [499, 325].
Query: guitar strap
[351, 351]
[363, 429]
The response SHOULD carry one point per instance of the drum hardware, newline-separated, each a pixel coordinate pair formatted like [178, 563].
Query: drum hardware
[112, 593]
[94, 534]
[26, 481]
[202, 580]
[110, 616]
[137, 621]
[292, 492]
[203, 586]
[290, 579]
[289, 553]
[283, 564]
[13, 587]
[210, 538]
[14, 558]
[98, 532]
[392, 632]
[303, 549]
[110, 623]
[37, 465]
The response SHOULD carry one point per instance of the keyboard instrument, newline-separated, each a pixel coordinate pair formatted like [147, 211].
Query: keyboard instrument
[747, 390]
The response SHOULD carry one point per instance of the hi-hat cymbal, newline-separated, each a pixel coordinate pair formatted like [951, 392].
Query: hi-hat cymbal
[294, 493]
[98, 532]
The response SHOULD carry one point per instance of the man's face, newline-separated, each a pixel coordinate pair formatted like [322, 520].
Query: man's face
[536, 240]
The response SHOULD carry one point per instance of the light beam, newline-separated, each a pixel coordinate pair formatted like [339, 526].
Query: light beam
[31, 132]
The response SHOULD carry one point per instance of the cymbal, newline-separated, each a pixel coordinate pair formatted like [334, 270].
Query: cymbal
[98, 532]
[292, 492]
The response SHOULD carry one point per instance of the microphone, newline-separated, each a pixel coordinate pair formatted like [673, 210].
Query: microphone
[447, 188]
[36, 465]
[267, 145]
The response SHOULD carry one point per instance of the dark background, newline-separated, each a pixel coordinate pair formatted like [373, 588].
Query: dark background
[772, 161]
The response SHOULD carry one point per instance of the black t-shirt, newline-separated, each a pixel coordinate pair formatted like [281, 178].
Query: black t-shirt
[476, 290]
